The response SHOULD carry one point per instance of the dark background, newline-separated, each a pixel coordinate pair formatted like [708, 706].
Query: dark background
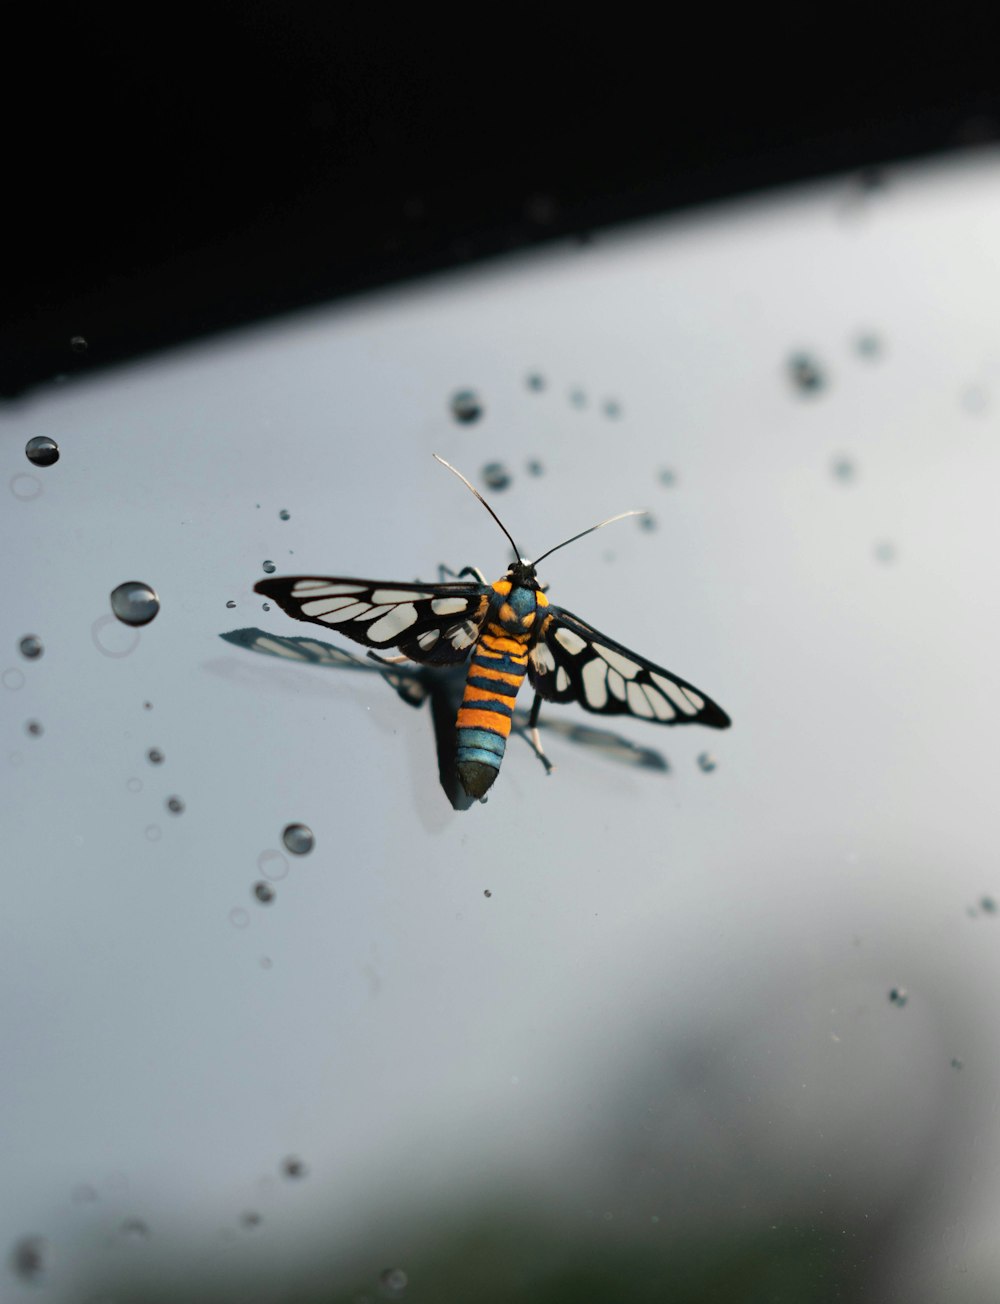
[175, 173]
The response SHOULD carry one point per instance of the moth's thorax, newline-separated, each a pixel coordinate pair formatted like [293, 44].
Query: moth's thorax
[515, 603]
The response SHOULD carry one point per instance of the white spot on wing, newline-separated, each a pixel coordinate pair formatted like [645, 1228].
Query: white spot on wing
[595, 685]
[449, 606]
[661, 707]
[573, 643]
[637, 702]
[321, 589]
[375, 612]
[393, 623]
[699, 702]
[615, 659]
[397, 595]
[541, 658]
[323, 606]
[616, 684]
[562, 680]
[463, 635]
[676, 694]
[428, 638]
[352, 612]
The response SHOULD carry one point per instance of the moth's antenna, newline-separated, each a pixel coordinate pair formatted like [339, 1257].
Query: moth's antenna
[517, 555]
[636, 511]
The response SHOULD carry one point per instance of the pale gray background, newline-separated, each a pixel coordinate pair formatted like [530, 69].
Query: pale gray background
[671, 1017]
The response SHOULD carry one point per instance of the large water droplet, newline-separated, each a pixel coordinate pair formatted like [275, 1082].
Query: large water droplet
[27, 1258]
[264, 893]
[134, 603]
[31, 647]
[284, 514]
[42, 451]
[268, 567]
[806, 373]
[466, 406]
[496, 476]
[298, 838]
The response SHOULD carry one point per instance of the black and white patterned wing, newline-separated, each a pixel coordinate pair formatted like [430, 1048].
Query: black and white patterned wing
[572, 662]
[433, 623]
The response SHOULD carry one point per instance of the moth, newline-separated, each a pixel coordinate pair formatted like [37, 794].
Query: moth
[504, 631]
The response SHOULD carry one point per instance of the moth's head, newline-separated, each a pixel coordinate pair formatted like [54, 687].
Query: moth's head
[521, 573]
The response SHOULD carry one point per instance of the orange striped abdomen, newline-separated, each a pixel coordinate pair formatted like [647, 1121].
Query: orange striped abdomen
[496, 672]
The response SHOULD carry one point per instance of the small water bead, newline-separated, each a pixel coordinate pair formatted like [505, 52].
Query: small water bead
[250, 1219]
[667, 477]
[707, 762]
[134, 785]
[293, 1167]
[885, 552]
[273, 865]
[42, 451]
[393, 1282]
[487, 893]
[175, 805]
[806, 373]
[12, 678]
[268, 567]
[612, 408]
[988, 905]
[899, 996]
[25, 488]
[134, 1229]
[466, 406]
[284, 514]
[265, 606]
[147, 706]
[578, 398]
[28, 1257]
[153, 833]
[496, 476]
[34, 728]
[535, 381]
[647, 521]
[534, 467]
[843, 469]
[238, 917]
[264, 893]
[31, 647]
[868, 345]
[134, 602]
[956, 1063]
[298, 838]
[155, 756]
[230, 604]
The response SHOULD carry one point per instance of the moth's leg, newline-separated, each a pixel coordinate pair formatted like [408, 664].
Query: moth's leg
[445, 572]
[387, 661]
[536, 742]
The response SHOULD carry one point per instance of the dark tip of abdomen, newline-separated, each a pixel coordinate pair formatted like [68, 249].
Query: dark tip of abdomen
[476, 778]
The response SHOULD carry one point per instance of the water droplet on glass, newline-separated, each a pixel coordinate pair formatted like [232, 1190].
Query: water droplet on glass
[153, 833]
[885, 552]
[134, 1229]
[42, 451]
[612, 408]
[806, 374]
[134, 603]
[12, 678]
[265, 606]
[25, 487]
[250, 1219]
[298, 838]
[466, 406]
[78, 344]
[988, 905]
[578, 398]
[956, 1063]
[706, 762]
[264, 893]
[268, 567]
[534, 467]
[393, 1282]
[230, 604]
[868, 345]
[238, 917]
[175, 805]
[667, 477]
[31, 647]
[899, 996]
[647, 521]
[134, 785]
[293, 1167]
[147, 706]
[28, 1256]
[843, 469]
[154, 756]
[34, 728]
[487, 893]
[112, 638]
[496, 476]
[535, 381]
[284, 514]
[273, 865]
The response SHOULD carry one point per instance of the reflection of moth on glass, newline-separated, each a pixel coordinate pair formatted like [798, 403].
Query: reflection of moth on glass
[504, 631]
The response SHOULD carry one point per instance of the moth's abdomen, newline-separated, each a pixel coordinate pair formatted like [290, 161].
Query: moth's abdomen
[496, 672]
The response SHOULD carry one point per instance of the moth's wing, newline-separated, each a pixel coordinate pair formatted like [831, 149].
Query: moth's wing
[433, 623]
[573, 662]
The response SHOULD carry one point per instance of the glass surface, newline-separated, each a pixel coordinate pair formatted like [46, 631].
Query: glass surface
[699, 1015]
